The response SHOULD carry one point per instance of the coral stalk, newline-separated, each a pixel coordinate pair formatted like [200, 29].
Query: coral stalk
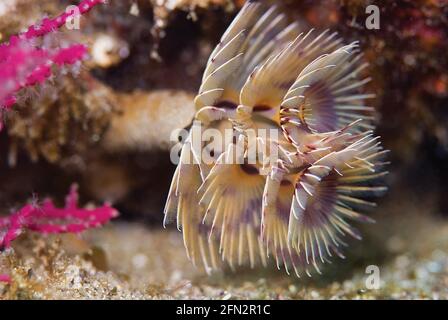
[49, 25]
[48, 219]
[25, 63]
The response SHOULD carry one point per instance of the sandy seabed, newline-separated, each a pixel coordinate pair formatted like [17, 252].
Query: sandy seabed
[131, 261]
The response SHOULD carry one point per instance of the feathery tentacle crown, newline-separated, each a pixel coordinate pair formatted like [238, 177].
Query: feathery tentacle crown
[297, 208]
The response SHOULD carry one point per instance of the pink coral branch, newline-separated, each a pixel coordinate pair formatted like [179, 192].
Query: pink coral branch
[28, 66]
[14, 225]
[49, 25]
[19, 67]
[24, 64]
[5, 278]
[49, 219]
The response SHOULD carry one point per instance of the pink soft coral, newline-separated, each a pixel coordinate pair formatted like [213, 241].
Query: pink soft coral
[25, 63]
[47, 219]
[5, 278]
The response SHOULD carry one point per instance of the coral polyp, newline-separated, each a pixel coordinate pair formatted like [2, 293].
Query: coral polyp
[310, 181]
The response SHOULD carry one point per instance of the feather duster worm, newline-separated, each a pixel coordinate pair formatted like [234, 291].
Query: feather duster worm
[296, 204]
